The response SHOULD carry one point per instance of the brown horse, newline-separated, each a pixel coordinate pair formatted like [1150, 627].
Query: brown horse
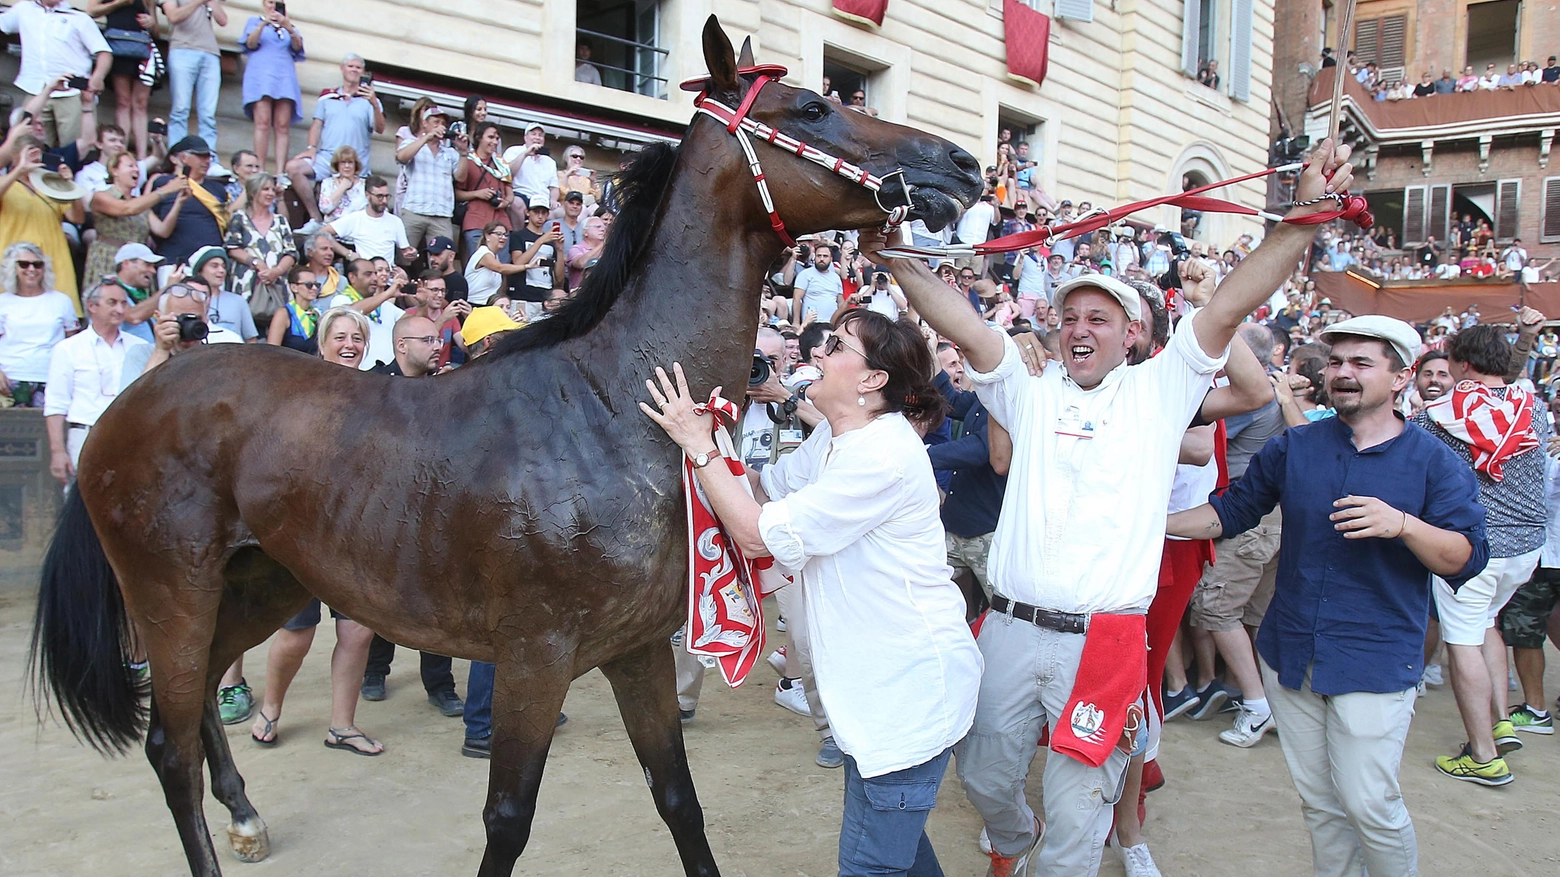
[519, 510]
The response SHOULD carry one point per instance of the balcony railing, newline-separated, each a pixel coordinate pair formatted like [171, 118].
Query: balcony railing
[646, 77]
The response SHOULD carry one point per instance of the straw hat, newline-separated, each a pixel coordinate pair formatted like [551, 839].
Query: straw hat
[52, 185]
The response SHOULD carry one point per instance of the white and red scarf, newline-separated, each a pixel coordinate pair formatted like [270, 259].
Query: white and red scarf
[725, 588]
[1494, 429]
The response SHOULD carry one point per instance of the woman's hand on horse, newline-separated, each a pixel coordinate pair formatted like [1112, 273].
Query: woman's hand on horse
[674, 411]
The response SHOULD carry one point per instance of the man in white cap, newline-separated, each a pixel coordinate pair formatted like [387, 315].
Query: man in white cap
[535, 171]
[1372, 506]
[1075, 556]
[135, 270]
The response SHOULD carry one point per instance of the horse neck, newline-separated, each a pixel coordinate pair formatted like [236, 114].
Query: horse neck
[695, 298]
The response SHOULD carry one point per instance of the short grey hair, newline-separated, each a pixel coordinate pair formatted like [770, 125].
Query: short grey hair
[352, 56]
[92, 294]
[315, 239]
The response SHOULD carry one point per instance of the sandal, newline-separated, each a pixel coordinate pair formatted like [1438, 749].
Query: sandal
[270, 730]
[338, 740]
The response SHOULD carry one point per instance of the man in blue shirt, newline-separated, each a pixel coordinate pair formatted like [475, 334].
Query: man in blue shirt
[1372, 505]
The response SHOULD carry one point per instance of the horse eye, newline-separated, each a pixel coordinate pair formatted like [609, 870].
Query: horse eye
[814, 111]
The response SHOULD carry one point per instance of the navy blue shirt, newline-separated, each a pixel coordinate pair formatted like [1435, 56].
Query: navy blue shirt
[974, 488]
[1352, 612]
[195, 227]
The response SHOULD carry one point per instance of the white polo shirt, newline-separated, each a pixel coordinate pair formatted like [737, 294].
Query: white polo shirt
[856, 516]
[85, 375]
[54, 42]
[1082, 526]
[373, 237]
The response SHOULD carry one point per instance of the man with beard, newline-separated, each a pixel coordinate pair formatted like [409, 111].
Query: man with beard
[1432, 378]
[1372, 506]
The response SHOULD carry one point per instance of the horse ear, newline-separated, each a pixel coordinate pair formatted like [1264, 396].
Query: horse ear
[719, 58]
[745, 57]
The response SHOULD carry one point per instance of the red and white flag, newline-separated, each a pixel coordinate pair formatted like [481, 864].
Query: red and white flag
[725, 588]
[1494, 429]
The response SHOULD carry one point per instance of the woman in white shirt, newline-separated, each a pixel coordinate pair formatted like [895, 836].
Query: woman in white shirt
[854, 513]
[485, 274]
[33, 318]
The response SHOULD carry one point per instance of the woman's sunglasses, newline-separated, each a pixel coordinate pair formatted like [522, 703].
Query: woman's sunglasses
[29, 263]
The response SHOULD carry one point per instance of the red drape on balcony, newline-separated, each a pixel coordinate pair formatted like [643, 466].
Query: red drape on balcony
[865, 11]
[1028, 41]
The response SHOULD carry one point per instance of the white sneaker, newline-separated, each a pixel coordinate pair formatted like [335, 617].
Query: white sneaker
[1419, 690]
[1434, 676]
[780, 624]
[777, 660]
[985, 841]
[1247, 732]
[793, 698]
[1138, 862]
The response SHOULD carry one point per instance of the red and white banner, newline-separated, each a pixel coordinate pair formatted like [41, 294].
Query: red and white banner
[1494, 429]
[863, 11]
[725, 589]
[1028, 40]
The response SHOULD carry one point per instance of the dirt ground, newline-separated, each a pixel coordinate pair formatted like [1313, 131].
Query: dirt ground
[770, 812]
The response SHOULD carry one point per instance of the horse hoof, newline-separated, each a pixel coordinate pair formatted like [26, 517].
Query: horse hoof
[250, 841]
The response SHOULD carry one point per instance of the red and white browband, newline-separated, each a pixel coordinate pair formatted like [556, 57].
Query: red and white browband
[742, 126]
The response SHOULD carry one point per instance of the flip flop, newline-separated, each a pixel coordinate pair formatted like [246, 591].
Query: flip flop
[341, 738]
[270, 728]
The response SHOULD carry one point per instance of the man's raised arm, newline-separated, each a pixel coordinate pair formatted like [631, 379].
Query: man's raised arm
[1259, 274]
[941, 305]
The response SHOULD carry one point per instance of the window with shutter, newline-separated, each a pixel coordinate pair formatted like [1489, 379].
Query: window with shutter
[1240, 50]
[1191, 26]
[1440, 212]
[1393, 32]
[1077, 10]
[1367, 39]
[1549, 227]
[1507, 195]
[1413, 215]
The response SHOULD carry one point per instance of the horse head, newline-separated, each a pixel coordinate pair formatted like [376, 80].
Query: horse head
[846, 169]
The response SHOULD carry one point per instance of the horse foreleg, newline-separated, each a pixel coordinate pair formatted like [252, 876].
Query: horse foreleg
[173, 747]
[246, 832]
[527, 695]
[645, 684]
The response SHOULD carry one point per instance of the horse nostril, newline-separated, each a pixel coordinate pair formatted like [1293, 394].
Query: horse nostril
[964, 161]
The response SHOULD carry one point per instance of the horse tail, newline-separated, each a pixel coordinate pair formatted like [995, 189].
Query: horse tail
[81, 639]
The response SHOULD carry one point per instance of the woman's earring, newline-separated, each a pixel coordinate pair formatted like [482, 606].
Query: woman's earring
[862, 401]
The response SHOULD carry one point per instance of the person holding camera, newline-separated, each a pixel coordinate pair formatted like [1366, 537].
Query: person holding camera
[58, 39]
[538, 245]
[182, 325]
[484, 183]
[347, 116]
[533, 169]
[272, 99]
[429, 162]
[486, 276]
[818, 290]
[202, 218]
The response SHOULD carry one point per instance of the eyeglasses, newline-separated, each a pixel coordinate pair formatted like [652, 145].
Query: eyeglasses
[426, 339]
[180, 290]
[833, 343]
[28, 263]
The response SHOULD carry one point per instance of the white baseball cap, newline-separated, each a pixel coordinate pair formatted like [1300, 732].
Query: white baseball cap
[136, 251]
[1401, 336]
[1122, 293]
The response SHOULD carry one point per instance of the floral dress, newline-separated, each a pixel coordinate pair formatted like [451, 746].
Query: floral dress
[267, 250]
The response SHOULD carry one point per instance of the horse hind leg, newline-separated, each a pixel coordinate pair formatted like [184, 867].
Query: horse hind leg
[173, 746]
[528, 692]
[260, 594]
[645, 685]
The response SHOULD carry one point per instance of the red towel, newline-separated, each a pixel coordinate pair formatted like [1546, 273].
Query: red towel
[1106, 698]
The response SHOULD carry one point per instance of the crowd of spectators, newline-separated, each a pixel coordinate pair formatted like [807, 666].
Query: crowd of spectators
[1517, 75]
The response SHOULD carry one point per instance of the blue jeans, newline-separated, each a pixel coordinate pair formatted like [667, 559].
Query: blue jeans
[884, 827]
[479, 701]
[197, 74]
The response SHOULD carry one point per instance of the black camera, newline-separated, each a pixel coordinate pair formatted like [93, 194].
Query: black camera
[1179, 252]
[456, 131]
[157, 126]
[760, 372]
[496, 200]
[192, 327]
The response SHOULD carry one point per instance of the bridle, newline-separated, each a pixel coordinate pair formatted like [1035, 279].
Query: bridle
[739, 124]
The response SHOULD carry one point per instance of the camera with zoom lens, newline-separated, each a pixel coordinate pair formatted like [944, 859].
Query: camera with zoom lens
[761, 371]
[192, 327]
[496, 200]
[1179, 252]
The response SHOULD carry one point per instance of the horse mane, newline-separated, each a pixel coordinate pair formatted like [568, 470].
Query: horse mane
[640, 188]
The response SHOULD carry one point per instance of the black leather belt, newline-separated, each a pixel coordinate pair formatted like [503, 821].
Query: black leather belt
[1064, 622]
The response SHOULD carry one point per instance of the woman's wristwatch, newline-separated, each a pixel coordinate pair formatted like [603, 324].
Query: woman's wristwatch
[704, 459]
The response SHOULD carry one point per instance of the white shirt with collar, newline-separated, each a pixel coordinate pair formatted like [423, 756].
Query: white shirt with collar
[55, 41]
[85, 375]
[856, 516]
[1082, 526]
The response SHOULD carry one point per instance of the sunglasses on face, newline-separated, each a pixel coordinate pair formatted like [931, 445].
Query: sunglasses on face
[28, 263]
[308, 284]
